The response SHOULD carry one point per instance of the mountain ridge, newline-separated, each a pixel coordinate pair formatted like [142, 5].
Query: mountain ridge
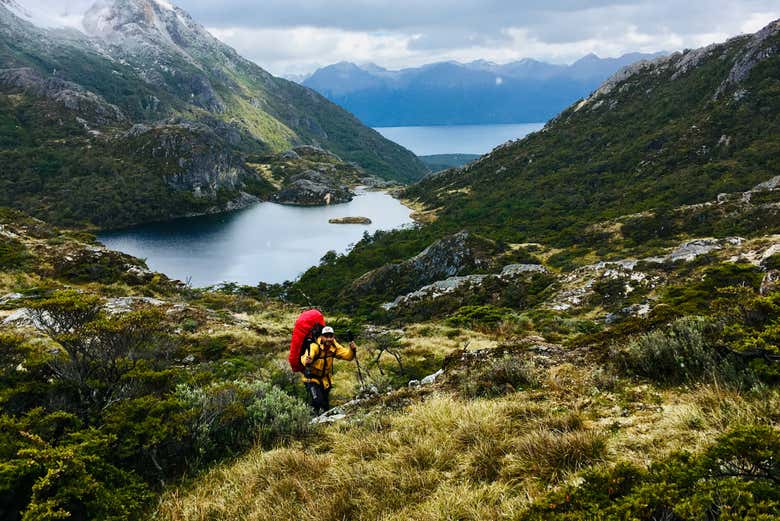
[449, 92]
[158, 67]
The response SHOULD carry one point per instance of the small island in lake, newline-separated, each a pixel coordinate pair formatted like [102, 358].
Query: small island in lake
[350, 220]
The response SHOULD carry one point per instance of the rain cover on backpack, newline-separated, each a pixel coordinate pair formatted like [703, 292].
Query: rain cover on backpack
[303, 326]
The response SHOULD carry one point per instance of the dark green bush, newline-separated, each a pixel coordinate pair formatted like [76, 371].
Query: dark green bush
[480, 317]
[13, 254]
[736, 478]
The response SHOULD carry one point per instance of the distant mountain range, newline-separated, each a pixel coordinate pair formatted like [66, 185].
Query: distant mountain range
[452, 93]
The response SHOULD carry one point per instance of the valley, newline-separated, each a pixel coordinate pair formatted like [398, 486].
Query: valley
[581, 323]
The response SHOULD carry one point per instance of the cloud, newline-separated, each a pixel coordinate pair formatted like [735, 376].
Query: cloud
[293, 36]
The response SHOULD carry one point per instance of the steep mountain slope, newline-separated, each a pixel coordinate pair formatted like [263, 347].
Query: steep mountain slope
[146, 62]
[659, 135]
[674, 131]
[479, 92]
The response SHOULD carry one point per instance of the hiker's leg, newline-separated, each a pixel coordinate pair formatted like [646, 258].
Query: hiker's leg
[317, 397]
[326, 401]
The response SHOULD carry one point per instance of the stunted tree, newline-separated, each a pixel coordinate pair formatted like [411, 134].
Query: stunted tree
[102, 357]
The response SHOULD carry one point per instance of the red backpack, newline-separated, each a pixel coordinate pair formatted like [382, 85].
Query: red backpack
[307, 327]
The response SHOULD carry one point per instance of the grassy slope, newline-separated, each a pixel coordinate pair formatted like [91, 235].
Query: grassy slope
[448, 458]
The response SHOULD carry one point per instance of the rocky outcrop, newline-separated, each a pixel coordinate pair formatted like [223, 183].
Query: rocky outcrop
[350, 220]
[755, 52]
[444, 287]
[757, 49]
[87, 105]
[459, 254]
[313, 188]
[191, 157]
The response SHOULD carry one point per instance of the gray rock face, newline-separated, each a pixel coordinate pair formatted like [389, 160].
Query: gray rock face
[755, 52]
[448, 257]
[88, 105]
[681, 63]
[451, 284]
[192, 157]
[312, 188]
[688, 251]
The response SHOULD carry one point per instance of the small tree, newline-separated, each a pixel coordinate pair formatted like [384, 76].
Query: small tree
[100, 352]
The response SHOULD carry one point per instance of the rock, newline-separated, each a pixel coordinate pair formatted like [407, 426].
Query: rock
[688, 251]
[10, 297]
[92, 108]
[312, 188]
[22, 317]
[767, 185]
[436, 290]
[313, 153]
[771, 282]
[754, 53]
[127, 304]
[350, 220]
[325, 418]
[448, 257]
[513, 270]
[414, 383]
[431, 378]
[189, 359]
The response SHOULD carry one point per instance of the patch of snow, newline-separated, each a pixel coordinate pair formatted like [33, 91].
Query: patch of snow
[164, 4]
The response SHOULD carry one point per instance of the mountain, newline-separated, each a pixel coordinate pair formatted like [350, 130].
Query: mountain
[640, 162]
[449, 93]
[587, 328]
[156, 116]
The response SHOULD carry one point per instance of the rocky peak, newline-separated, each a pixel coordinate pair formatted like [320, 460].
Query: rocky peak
[754, 49]
[150, 21]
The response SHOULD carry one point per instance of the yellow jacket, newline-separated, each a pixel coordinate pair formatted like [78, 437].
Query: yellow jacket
[320, 369]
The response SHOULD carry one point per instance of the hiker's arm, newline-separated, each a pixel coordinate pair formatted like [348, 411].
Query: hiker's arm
[311, 354]
[345, 353]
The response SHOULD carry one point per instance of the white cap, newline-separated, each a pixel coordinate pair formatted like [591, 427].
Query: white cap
[326, 330]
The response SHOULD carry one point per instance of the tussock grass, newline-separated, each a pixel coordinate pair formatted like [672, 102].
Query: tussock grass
[451, 457]
[438, 458]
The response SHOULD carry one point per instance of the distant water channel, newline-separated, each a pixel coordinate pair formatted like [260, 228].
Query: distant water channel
[456, 139]
[267, 242]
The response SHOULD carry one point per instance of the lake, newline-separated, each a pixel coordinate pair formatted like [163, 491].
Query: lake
[267, 242]
[456, 139]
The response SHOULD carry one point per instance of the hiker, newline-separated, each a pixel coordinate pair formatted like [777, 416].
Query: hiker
[317, 360]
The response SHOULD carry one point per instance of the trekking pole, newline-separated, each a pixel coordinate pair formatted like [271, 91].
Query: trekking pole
[350, 339]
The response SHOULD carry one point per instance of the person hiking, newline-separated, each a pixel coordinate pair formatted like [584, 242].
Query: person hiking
[317, 361]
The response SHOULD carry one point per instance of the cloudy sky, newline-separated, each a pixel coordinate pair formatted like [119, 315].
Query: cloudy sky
[297, 36]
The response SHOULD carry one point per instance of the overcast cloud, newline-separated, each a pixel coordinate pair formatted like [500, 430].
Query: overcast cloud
[297, 36]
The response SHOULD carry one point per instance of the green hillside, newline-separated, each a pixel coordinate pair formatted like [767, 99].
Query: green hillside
[70, 102]
[677, 131]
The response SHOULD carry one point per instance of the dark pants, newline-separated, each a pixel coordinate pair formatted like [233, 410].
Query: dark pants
[319, 397]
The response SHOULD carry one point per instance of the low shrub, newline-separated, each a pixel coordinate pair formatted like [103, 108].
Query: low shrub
[499, 376]
[13, 254]
[480, 317]
[228, 417]
[677, 354]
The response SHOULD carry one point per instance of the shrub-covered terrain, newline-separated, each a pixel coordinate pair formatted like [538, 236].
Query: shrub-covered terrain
[607, 352]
